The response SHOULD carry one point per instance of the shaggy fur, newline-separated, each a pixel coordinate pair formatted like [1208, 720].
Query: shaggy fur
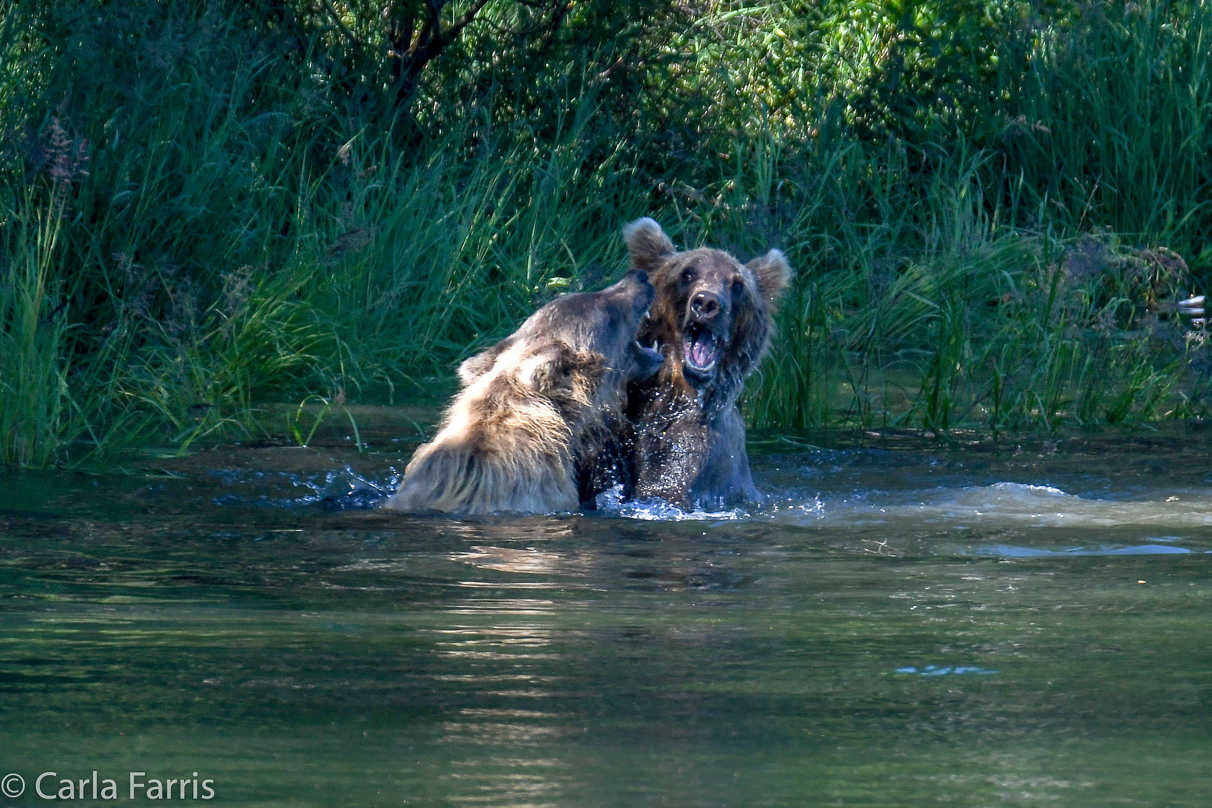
[712, 319]
[534, 409]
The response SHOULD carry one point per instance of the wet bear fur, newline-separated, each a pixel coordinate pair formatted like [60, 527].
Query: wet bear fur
[712, 319]
[534, 410]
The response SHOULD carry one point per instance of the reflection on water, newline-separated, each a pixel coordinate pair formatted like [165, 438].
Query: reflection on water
[898, 625]
[947, 670]
[1035, 552]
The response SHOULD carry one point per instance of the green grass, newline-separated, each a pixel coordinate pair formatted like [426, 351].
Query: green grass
[33, 384]
[205, 208]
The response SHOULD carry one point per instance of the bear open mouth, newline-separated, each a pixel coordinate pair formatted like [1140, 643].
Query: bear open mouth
[701, 349]
[650, 352]
[647, 360]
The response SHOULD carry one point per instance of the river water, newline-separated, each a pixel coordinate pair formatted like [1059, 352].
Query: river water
[904, 623]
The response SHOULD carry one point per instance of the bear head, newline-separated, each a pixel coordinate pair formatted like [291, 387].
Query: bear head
[712, 316]
[603, 323]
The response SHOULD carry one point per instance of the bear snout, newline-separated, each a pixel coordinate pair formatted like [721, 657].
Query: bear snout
[708, 309]
[706, 306]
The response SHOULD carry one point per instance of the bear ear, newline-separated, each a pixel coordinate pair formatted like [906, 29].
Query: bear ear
[476, 366]
[647, 244]
[773, 274]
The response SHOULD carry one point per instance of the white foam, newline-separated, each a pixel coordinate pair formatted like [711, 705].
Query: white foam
[612, 503]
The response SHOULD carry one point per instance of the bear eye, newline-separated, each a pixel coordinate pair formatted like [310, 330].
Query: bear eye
[738, 287]
[687, 274]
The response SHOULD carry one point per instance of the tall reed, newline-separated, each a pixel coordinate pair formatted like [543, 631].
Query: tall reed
[33, 383]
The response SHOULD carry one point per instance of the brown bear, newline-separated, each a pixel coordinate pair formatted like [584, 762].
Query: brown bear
[712, 319]
[533, 409]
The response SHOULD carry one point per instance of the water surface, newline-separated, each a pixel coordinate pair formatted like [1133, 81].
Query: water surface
[904, 623]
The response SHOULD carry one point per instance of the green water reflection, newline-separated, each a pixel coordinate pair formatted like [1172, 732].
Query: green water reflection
[886, 644]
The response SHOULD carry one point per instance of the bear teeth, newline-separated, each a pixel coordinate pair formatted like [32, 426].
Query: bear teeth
[653, 351]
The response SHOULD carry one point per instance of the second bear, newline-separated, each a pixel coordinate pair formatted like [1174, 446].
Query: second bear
[712, 318]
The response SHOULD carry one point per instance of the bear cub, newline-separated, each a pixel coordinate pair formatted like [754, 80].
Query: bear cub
[712, 319]
[534, 410]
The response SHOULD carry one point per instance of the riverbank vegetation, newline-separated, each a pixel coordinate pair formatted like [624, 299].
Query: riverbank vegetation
[993, 207]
